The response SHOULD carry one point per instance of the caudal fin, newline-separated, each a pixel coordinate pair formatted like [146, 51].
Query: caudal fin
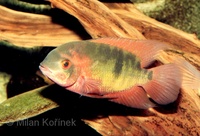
[190, 76]
[165, 84]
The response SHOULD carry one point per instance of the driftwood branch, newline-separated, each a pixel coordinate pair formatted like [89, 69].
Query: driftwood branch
[116, 20]
[100, 16]
[26, 29]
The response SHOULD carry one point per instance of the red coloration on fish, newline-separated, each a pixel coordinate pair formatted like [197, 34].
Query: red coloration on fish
[119, 70]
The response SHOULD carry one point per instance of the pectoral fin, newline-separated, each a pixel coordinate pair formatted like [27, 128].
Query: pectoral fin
[90, 86]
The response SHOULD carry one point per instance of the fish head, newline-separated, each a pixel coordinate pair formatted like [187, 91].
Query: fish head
[59, 67]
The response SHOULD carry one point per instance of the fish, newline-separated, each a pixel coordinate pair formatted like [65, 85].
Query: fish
[120, 70]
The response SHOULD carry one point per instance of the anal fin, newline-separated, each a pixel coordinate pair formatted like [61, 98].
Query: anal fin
[135, 98]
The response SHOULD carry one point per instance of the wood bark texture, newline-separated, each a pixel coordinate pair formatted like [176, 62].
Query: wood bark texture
[115, 20]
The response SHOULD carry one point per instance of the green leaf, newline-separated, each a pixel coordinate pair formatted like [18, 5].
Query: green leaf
[40, 7]
[26, 105]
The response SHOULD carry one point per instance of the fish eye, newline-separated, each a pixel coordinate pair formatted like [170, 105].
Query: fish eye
[66, 64]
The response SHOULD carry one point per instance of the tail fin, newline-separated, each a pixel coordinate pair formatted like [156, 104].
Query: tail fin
[165, 84]
[190, 75]
[190, 79]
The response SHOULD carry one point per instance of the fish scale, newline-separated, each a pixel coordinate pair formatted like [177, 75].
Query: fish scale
[122, 69]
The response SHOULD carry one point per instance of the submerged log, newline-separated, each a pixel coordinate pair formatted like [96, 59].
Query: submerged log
[116, 20]
[26, 29]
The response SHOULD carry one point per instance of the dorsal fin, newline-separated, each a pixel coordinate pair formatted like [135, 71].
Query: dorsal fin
[146, 50]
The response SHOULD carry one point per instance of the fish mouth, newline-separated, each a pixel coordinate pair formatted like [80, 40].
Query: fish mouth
[51, 76]
[45, 70]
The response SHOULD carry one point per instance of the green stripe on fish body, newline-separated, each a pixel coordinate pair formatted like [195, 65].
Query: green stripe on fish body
[116, 68]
